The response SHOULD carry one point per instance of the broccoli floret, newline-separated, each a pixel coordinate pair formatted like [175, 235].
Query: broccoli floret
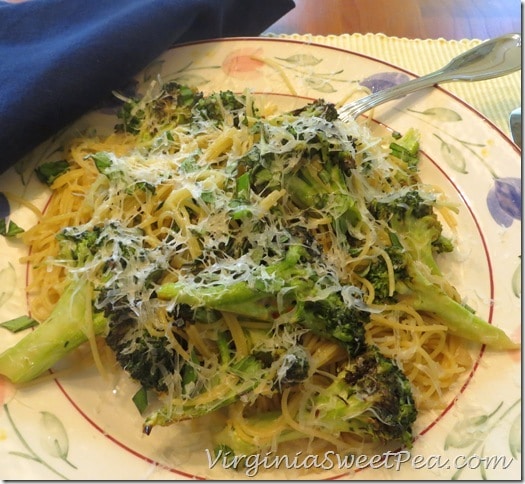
[148, 117]
[294, 366]
[63, 331]
[377, 273]
[333, 319]
[322, 188]
[406, 148]
[320, 181]
[318, 108]
[79, 245]
[322, 161]
[219, 106]
[417, 237]
[442, 245]
[147, 358]
[411, 219]
[370, 398]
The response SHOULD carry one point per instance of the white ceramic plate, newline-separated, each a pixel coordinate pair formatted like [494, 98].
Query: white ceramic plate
[83, 428]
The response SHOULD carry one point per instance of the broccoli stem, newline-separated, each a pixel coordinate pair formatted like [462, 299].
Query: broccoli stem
[242, 298]
[429, 297]
[62, 332]
[237, 379]
[238, 298]
[406, 148]
[416, 238]
[329, 316]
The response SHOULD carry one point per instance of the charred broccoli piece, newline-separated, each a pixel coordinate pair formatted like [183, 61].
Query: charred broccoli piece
[370, 398]
[147, 118]
[322, 158]
[220, 107]
[333, 319]
[416, 236]
[147, 358]
[318, 108]
[294, 366]
[322, 188]
[406, 147]
[412, 219]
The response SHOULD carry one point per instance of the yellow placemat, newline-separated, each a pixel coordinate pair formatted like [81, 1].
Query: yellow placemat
[494, 98]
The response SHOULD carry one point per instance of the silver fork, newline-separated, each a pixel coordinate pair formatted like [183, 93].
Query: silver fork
[492, 58]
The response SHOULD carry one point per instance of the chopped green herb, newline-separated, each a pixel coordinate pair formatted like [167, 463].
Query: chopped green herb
[208, 196]
[19, 324]
[102, 161]
[9, 229]
[144, 186]
[48, 172]
[140, 399]
[189, 164]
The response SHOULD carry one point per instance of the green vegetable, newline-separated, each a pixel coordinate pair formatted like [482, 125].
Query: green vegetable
[370, 398]
[406, 148]
[323, 164]
[48, 172]
[148, 359]
[234, 381]
[297, 280]
[19, 324]
[140, 399]
[170, 107]
[64, 330]
[294, 366]
[10, 229]
[419, 234]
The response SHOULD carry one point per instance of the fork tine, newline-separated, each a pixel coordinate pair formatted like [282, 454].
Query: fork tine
[351, 110]
[354, 109]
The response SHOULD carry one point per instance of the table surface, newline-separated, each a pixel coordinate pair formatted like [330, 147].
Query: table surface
[433, 19]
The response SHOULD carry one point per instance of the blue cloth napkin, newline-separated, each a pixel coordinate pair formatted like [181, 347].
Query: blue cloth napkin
[60, 58]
